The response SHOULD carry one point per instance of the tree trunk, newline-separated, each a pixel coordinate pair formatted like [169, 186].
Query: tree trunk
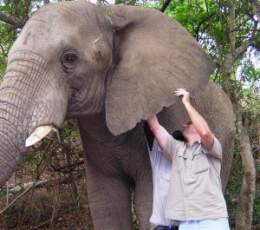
[228, 57]
[244, 213]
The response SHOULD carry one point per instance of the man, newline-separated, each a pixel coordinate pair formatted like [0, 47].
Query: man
[195, 197]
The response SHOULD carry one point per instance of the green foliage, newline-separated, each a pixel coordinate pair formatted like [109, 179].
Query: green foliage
[200, 18]
[126, 2]
[234, 185]
[257, 208]
[207, 21]
[17, 8]
[190, 14]
[250, 74]
[2, 64]
[249, 92]
[256, 211]
[7, 37]
[8, 33]
[69, 130]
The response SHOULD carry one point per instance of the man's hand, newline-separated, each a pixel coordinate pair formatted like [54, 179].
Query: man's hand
[183, 94]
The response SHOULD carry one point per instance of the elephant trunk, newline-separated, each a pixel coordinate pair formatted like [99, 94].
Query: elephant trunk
[24, 105]
[10, 154]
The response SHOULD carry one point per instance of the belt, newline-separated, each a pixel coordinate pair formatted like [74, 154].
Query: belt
[161, 227]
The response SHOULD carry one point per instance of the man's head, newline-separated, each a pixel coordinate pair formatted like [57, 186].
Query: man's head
[189, 131]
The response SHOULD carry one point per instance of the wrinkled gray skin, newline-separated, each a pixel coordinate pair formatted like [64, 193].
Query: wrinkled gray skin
[109, 67]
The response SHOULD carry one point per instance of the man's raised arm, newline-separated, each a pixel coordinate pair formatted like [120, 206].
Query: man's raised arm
[200, 124]
[160, 133]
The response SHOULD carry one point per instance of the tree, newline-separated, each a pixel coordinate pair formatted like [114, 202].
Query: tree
[227, 29]
[13, 16]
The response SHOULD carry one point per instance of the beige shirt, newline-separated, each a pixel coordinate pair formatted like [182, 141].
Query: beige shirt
[195, 191]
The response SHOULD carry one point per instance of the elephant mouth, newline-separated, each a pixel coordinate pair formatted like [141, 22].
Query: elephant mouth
[38, 134]
[82, 103]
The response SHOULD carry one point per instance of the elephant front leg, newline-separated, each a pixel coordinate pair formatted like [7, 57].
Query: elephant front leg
[109, 201]
[143, 197]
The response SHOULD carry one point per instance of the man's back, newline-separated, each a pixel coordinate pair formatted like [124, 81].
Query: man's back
[161, 168]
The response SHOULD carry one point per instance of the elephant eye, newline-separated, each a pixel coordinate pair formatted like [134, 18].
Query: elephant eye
[69, 59]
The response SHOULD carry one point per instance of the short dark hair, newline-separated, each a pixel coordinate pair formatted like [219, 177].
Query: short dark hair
[188, 123]
[178, 135]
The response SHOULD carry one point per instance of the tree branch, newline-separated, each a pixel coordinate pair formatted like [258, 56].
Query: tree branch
[3, 50]
[200, 24]
[18, 197]
[165, 5]
[40, 184]
[27, 8]
[11, 20]
[240, 50]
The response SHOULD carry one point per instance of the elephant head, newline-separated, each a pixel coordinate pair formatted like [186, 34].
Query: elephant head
[74, 58]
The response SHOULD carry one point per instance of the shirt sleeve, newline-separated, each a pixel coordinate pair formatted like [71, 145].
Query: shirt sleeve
[216, 150]
[172, 147]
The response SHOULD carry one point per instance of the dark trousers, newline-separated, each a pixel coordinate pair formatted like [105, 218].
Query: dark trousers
[160, 227]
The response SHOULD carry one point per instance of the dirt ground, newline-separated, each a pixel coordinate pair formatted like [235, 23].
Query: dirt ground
[53, 207]
[58, 201]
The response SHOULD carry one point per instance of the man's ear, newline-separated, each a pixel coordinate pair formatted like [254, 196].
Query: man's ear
[154, 55]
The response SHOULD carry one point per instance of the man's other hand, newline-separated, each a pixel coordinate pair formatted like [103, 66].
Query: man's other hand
[183, 94]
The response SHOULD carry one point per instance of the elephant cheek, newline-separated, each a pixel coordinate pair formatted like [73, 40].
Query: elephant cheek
[51, 107]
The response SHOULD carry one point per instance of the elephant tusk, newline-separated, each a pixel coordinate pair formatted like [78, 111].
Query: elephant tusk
[38, 134]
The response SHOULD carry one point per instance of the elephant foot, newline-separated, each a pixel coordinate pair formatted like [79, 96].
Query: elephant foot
[143, 201]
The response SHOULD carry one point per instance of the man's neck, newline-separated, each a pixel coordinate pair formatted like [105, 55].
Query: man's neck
[193, 138]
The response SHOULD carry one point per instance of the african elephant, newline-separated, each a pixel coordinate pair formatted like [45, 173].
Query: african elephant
[110, 68]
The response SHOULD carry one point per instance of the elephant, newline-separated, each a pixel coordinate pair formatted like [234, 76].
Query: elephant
[110, 68]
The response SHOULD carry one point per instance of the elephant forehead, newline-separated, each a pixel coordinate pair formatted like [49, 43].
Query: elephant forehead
[40, 37]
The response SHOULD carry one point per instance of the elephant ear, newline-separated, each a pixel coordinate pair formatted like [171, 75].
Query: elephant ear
[153, 55]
